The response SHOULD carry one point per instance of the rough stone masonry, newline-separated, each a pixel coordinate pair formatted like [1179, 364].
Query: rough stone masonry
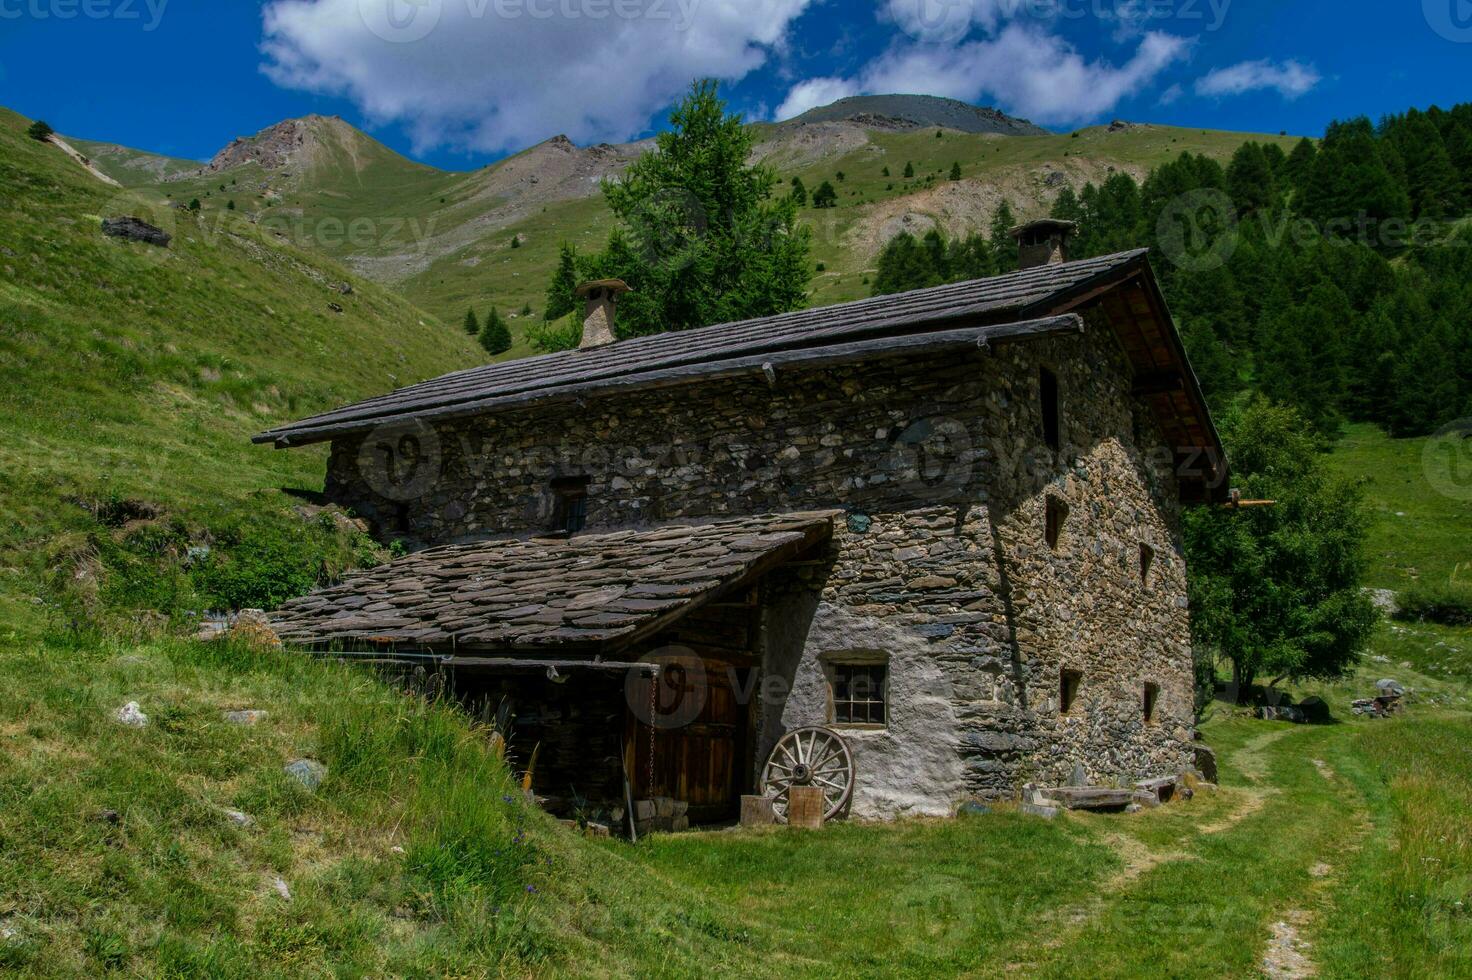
[1028, 603]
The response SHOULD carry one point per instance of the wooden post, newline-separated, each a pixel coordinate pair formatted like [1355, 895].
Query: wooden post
[756, 811]
[805, 806]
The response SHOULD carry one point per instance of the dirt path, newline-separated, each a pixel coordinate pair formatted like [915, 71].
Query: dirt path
[82, 161]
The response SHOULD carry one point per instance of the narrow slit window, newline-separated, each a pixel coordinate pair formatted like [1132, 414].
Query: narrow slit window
[1147, 564]
[1048, 391]
[1068, 685]
[1056, 516]
[570, 504]
[1152, 700]
[859, 693]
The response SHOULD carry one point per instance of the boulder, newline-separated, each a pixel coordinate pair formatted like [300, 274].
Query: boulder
[1390, 687]
[1205, 762]
[250, 716]
[1315, 710]
[131, 715]
[135, 230]
[309, 772]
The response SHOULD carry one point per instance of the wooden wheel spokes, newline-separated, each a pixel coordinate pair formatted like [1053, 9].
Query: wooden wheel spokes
[811, 756]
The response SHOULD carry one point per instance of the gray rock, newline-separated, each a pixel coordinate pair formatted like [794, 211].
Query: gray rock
[1205, 762]
[1080, 776]
[973, 809]
[131, 715]
[1391, 687]
[239, 819]
[135, 230]
[1038, 810]
[280, 887]
[309, 772]
[249, 716]
[1383, 600]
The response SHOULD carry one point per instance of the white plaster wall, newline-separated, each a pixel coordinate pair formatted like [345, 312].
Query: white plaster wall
[913, 766]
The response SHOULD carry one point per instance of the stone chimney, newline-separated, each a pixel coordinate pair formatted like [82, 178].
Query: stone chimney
[1043, 242]
[602, 297]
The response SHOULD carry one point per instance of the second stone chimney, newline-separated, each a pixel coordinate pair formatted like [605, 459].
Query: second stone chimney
[602, 298]
[1043, 242]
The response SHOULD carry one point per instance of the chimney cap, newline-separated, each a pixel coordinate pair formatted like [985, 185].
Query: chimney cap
[1048, 225]
[614, 286]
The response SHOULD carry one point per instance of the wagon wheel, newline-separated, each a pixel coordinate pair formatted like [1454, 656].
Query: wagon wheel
[810, 757]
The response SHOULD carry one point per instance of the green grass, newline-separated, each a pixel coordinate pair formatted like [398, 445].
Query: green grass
[1420, 533]
[134, 372]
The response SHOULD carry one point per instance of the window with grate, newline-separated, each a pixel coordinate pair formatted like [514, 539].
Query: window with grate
[859, 692]
[570, 506]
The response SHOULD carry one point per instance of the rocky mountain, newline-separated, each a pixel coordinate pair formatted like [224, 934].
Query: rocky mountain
[449, 241]
[901, 112]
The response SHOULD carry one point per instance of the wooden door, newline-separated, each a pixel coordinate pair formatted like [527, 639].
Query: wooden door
[698, 737]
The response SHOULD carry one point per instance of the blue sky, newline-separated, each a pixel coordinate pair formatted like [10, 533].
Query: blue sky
[458, 83]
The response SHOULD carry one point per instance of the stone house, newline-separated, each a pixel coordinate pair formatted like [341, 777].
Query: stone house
[944, 524]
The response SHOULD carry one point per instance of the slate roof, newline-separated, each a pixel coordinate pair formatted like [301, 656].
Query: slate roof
[630, 363]
[588, 591]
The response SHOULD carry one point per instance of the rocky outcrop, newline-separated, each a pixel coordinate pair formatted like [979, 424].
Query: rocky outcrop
[135, 230]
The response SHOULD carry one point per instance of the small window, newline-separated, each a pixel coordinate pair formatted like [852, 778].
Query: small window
[1152, 698]
[570, 507]
[1068, 684]
[1057, 514]
[1147, 564]
[859, 692]
[1048, 391]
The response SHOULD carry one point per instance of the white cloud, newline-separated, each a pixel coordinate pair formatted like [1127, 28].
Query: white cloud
[945, 21]
[1291, 79]
[1171, 95]
[493, 75]
[813, 93]
[1028, 72]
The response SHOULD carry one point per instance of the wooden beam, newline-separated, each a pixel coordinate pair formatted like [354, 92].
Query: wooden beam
[1158, 382]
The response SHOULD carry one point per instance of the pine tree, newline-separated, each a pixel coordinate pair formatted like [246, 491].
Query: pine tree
[230, 205]
[909, 170]
[562, 290]
[700, 235]
[1250, 180]
[495, 336]
[884, 172]
[472, 325]
[799, 192]
[825, 196]
[194, 204]
[956, 170]
[1300, 162]
[40, 131]
[1352, 180]
[1003, 222]
[1459, 148]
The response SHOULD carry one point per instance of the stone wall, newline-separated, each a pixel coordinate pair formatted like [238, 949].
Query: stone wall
[942, 563]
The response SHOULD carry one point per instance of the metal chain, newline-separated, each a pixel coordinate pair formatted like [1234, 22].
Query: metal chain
[653, 707]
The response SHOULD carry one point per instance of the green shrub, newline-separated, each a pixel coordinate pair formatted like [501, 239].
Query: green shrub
[260, 563]
[1448, 603]
[39, 131]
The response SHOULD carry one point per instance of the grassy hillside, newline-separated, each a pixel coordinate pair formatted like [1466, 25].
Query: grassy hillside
[136, 373]
[444, 240]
